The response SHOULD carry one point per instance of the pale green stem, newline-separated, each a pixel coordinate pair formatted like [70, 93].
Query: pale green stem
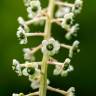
[43, 81]
[57, 90]
[33, 94]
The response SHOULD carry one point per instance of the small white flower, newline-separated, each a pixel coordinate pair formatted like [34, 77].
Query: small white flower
[34, 8]
[67, 21]
[50, 46]
[21, 34]
[62, 10]
[63, 69]
[74, 48]
[28, 54]
[32, 70]
[72, 31]
[77, 6]
[71, 92]
[16, 67]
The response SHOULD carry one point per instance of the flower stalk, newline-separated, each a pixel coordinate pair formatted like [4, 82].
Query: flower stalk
[44, 66]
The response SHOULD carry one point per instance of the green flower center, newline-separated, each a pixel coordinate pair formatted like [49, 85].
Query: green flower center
[50, 47]
[35, 9]
[68, 21]
[22, 35]
[77, 6]
[66, 66]
[31, 70]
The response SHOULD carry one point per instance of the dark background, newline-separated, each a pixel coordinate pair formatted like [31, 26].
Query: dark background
[84, 75]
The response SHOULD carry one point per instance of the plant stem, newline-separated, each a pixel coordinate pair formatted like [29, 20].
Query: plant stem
[57, 90]
[33, 94]
[64, 4]
[44, 66]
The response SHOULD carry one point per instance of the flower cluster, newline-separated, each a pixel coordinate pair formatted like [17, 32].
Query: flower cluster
[68, 12]
[36, 71]
[22, 30]
[31, 70]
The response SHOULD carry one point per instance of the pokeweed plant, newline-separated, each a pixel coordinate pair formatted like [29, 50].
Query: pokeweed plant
[36, 71]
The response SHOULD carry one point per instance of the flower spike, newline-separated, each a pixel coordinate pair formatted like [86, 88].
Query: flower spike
[35, 70]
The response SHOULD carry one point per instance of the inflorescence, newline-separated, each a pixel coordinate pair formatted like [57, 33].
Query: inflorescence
[64, 17]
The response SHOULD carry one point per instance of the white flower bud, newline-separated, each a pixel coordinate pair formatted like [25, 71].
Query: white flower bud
[21, 21]
[74, 48]
[72, 31]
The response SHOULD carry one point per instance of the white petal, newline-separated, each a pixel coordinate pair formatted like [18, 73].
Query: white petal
[57, 45]
[15, 62]
[21, 21]
[71, 68]
[44, 42]
[23, 41]
[35, 84]
[14, 94]
[56, 72]
[67, 60]
[24, 72]
[64, 73]
[51, 40]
